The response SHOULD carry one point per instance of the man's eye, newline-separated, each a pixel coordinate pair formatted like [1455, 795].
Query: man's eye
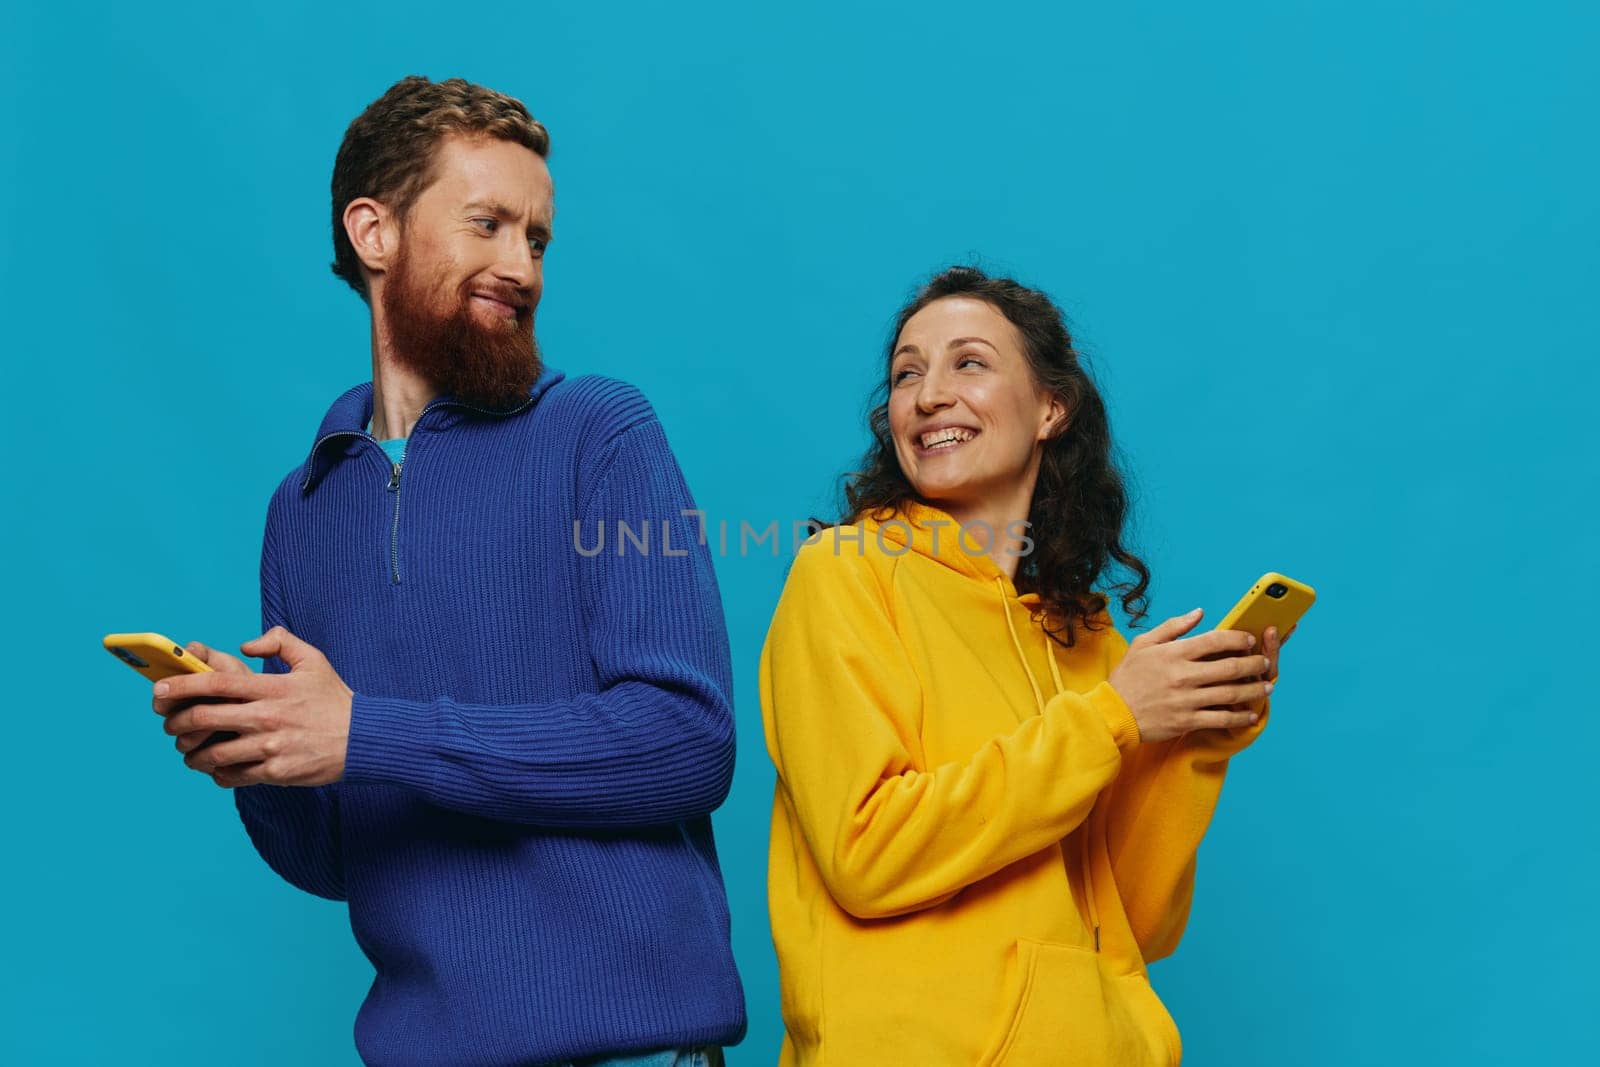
[538, 244]
[489, 225]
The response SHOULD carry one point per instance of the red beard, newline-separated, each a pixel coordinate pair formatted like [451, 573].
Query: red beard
[435, 332]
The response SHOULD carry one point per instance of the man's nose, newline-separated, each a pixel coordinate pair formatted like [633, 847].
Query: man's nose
[516, 265]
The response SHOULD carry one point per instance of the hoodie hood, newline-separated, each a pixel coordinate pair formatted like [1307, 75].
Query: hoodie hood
[932, 533]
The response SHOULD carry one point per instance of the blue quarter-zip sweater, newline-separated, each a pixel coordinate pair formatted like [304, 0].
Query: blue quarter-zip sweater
[539, 734]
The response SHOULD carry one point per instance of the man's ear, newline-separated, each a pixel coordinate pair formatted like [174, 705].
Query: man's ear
[373, 232]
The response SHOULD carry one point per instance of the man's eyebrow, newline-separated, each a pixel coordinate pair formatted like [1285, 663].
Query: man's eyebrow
[493, 207]
[499, 210]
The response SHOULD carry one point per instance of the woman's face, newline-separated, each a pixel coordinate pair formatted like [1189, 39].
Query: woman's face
[967, 416]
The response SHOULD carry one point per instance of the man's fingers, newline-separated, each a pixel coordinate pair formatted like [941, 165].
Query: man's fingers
[226, 684]
[1169, 630]
[187, 743]
[168, 705]
[217, 659]
[207, 718]
[241, 774]
[286, 646]
[171, 694]
[1223, 720]
[250, 748]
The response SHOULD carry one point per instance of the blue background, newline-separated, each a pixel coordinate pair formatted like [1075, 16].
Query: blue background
[1335, 265]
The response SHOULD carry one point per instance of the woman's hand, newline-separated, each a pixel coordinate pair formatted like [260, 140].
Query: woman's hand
[1270, 646]
[1173, 686]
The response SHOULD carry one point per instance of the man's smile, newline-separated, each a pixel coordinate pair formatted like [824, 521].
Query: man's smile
[499, 307]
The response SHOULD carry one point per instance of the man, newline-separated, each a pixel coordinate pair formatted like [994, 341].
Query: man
[502, 752]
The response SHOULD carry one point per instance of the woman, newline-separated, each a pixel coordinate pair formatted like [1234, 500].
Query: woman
[988, 803]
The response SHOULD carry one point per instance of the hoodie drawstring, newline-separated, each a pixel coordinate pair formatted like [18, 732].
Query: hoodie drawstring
[1050, 658]
[1016, 643]
[1038, 699]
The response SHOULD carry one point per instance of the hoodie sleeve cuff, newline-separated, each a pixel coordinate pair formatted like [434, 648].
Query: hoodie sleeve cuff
[1116, 713]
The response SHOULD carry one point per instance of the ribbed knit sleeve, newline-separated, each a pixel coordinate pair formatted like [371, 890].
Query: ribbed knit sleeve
[294, 828]
[654, 745]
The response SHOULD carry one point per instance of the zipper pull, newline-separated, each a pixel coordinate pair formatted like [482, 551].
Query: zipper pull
[1097, 938]
[394, 478]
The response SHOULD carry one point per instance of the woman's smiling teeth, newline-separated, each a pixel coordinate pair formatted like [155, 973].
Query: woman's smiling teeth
[946, 439]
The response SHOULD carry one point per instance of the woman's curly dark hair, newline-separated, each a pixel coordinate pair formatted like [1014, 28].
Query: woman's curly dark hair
[1079, 502]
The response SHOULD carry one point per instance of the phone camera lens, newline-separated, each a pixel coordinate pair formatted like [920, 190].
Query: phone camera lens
[1277, 590]
[177, 651]
[129, 657]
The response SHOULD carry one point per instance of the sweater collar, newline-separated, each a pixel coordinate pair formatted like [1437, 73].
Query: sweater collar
[348, 416]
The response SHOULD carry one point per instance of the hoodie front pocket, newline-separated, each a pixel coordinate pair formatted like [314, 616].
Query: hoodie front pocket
[1058, 1014]
[1062, 1015]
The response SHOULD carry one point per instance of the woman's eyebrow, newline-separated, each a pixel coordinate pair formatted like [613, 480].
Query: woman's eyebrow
[970, 340]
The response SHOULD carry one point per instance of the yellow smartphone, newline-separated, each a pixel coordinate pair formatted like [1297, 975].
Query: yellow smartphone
[1275, 600]
[157, 657]
[152, 655]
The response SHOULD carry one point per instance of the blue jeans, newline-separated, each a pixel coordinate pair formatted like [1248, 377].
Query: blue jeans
[706, 1056]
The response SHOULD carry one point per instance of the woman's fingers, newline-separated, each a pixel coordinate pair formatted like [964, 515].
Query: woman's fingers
[1218, 679]
[1225, 696]
[1216, 644]
[1169, 630]
[1231, 669]
[1223, 720]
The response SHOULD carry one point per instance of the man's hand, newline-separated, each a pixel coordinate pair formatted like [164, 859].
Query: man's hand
[294, 728]
[217, 661]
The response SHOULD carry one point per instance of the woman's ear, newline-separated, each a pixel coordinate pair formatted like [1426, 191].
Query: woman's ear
[1056, 418]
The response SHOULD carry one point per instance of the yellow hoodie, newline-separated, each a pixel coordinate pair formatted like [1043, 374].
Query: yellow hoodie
[973, 856]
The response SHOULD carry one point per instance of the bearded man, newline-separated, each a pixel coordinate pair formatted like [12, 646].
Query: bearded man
[502, 752]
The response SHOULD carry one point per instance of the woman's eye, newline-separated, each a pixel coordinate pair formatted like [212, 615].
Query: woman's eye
[900, 376]
[969, 359]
